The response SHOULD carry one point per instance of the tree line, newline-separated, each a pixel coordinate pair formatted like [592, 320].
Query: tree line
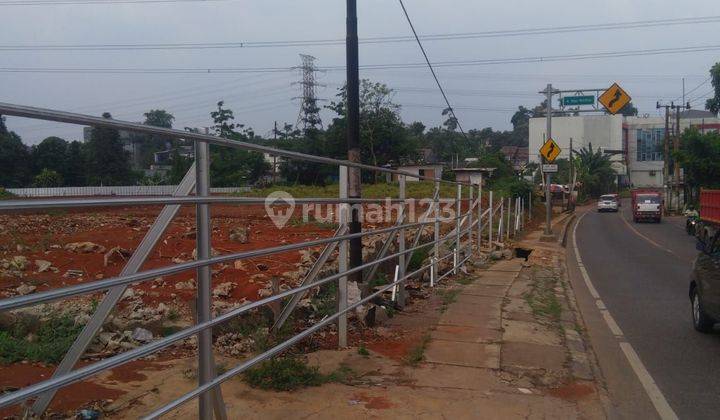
[385, 140]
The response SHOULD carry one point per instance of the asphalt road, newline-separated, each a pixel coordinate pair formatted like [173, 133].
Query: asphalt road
[641, 273]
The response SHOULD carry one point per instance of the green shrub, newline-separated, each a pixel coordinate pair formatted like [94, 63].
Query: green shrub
[283, 374]
[46, 341]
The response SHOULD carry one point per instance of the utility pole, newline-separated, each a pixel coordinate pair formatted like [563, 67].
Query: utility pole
[666, 152]
[353, 135]
[549, 91]
[570, 175]
[676, 149]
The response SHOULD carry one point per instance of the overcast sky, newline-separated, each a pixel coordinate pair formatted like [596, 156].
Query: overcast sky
[484, 95]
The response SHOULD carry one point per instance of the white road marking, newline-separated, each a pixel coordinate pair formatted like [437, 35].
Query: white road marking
[610, 321]
[651, 389]
[661, 405]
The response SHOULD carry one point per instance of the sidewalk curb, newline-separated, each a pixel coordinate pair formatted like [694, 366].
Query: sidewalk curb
[562, 239]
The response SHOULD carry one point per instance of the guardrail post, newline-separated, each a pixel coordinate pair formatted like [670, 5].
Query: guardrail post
[470, 219]
[490, 219]
[501, 221]
[206, 362]
[509, 213]
[401, 244]
[343, 260]
[529, 206]
[479, 217]
[458, 208]
[436, 235]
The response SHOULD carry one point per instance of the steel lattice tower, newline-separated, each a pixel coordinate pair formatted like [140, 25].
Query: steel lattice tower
[309, 115]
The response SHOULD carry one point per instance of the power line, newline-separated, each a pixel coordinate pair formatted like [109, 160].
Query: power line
[686, 94]
[456, 63]
[340, 42]
[432, 70]
[83, 2]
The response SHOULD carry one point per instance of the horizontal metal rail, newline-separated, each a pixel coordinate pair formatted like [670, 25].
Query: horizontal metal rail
[109, 363]
[8, 205]
[277, 349]
[82, 119]
[80, 289]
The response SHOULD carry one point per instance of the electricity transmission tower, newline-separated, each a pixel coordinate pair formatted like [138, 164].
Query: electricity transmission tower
[309, 115]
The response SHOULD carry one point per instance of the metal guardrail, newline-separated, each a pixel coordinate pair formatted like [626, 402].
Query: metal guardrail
[115, 190]
[208, 390]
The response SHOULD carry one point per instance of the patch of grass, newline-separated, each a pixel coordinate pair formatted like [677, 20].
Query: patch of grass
[390, 311]
[448, 296]
[173, 315]
[465, 280]
[362, 351]
[284, 374]
[422, 189]
[417, 258]
[169, 330]
[417, 353]
[290, 373]
[324, 302]
[5, 194]
[344, 375]
[379, 280]
[45, 341]
[542, 299]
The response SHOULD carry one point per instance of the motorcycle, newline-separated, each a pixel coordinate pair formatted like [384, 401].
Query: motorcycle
[691, 224]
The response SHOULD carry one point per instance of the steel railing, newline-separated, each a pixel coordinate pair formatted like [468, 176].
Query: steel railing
[208, 390]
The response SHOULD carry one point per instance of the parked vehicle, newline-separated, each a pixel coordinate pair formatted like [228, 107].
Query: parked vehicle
[647, 205]
[705, 277]
[608, 202]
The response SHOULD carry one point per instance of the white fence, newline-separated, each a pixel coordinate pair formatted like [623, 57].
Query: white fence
[123, 190]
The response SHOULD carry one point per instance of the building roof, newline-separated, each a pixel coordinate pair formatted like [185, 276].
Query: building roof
[488, 170]
[696, 113]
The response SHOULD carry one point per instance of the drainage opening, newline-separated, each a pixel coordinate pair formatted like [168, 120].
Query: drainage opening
[523, 253]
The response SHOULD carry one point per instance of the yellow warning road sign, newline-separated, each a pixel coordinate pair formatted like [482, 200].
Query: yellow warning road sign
[614, 99]
[550, 150]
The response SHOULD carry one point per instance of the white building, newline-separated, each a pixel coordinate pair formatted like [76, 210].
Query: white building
[602, 131]
[635, 143]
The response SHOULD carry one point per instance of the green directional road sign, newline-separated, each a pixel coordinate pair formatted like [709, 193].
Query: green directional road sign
[578, 100]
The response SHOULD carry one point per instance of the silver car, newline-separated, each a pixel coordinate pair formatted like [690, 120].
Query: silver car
[608, 202]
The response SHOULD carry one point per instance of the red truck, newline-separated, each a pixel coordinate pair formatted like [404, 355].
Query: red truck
[709, 214]
[647, 205]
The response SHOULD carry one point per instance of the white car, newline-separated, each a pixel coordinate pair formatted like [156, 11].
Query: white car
[608, 202]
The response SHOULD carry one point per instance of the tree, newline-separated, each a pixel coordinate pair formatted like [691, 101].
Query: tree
[383, 137]
[14, 159]
[107, 160]
[699, 157]
[594, 171]
[521, 123]
[148, 144]
[75, 172]
[629, 110]
[230, 167]
[51, 154]
[713, 104]
[47, 178]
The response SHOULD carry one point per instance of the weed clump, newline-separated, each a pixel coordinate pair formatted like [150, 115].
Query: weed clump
[283, 374]
[45, 341]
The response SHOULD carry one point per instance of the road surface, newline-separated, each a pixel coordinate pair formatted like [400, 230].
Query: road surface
[640, 274]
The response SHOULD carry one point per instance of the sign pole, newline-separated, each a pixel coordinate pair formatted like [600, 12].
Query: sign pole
[548, 176]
